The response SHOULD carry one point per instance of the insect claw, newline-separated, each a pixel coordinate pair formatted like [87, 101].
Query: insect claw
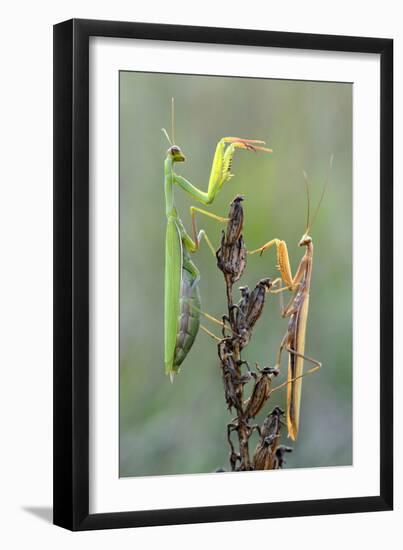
[248, 144]
[250, 147]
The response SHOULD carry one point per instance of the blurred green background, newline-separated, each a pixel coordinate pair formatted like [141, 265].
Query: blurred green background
[181, 428]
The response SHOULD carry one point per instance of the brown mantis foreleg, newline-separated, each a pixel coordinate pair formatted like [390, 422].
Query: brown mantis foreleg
[283, 264]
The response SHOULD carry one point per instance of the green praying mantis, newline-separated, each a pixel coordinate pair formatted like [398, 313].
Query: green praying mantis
[182, 295]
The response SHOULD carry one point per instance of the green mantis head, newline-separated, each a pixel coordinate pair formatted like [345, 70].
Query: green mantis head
[175, 152]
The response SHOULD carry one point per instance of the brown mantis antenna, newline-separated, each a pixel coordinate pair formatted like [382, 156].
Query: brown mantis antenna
[308, 200]
[323, 191]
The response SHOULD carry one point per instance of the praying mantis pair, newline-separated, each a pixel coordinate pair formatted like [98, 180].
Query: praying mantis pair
[182, 297]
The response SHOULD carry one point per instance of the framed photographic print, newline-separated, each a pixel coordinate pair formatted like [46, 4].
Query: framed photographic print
[223, 274]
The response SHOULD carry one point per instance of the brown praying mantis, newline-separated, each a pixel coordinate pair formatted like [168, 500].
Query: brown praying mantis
[297, 311]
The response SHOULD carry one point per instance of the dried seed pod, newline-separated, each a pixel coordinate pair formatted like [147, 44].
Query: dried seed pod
[272, 423]
[256, 302]
[246, 313]
[231, 256]
[263, 457]
[229, 375]
[231, 260]
[237, 260]
[235, 224]
[265, 453]
[260, 392]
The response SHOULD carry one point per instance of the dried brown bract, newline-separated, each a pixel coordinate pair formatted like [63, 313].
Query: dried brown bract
[261, 391]
[272, 423]
[235, 224]
[265, 456]
[231, 256]
[256, 302]
[232, 378]
[245, 314]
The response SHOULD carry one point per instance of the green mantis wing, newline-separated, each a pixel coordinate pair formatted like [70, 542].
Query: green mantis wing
[189, 311]
[173, 278]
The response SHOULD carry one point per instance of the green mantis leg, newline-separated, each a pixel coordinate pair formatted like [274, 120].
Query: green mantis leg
[192, 243]
[202, 233]
[209, 333]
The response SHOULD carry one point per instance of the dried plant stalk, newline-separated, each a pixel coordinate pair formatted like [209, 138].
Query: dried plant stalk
[239, 323]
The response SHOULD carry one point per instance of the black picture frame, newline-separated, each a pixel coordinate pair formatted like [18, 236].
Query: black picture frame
[71, 274]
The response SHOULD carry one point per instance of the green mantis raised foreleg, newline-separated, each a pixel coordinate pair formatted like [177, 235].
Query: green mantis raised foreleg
[182, 297]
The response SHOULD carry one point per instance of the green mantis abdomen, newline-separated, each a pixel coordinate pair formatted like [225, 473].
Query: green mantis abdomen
[189, 316]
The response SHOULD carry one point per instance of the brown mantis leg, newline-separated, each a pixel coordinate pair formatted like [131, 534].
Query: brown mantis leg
[317, 366]
[288, 310]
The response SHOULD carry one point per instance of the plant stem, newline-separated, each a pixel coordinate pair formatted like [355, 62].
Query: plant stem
[231, 260]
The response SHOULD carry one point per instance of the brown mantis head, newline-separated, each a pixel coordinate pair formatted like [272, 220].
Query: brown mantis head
[305, 240]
